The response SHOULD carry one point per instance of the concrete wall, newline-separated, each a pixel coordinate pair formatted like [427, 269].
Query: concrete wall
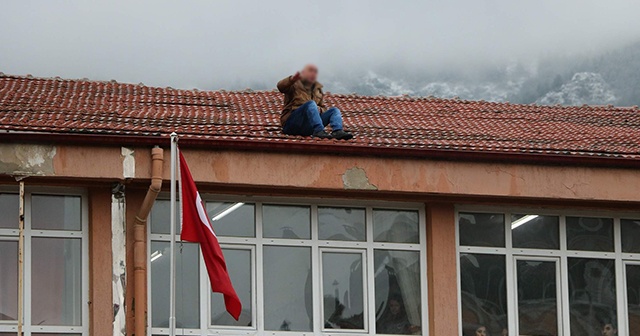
[100, 271]
[323, 172]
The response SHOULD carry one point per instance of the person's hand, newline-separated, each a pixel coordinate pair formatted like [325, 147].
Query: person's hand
[414, 330]
[295, 77]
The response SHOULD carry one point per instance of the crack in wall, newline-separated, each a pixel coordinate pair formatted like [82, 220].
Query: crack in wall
[500, 170]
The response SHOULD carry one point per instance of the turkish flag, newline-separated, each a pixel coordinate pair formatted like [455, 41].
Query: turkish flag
[196, 227]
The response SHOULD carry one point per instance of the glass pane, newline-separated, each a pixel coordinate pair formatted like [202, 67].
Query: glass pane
[592, 295]
[395, 226]
[534, 231]
[633, 299]
[341, 224]
[630, 235]
[537, 298]
[8, 280]
[283, 221]
[232, 219]
[160, 217]
[239, 267]
[187, 285]
[481, 229]
[483, 293]
[590, 234]
[56, 281]
[397, 291]
[343, 290]
[288, 303]
[10, 210]
[56, 212]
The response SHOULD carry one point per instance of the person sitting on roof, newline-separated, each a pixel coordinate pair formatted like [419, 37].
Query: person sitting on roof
[304, 111]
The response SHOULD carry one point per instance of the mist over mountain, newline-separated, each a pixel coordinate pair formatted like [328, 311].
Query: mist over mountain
[584, 88]
[611, 77]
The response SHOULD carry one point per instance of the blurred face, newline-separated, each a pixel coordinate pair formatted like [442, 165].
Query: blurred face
[482, 331]
[609, 330]
[394, 307]
[309, 73]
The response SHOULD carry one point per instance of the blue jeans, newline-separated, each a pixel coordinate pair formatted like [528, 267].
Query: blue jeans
[307, 119]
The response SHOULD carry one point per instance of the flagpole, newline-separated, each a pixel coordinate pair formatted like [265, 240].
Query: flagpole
[172, 248]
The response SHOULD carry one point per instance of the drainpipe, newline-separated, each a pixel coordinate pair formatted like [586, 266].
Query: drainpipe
[139, 242]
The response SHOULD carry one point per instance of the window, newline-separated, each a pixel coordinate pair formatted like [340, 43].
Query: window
[55, 254]
[301, 268]
[548, 274]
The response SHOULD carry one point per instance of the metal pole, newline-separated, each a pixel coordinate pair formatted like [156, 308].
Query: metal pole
[172, 248]
[21, 261]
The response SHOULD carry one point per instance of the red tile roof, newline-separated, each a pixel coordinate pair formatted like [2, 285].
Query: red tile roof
[53, 105]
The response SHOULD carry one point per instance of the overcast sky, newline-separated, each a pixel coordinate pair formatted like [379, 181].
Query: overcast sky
[234, 44]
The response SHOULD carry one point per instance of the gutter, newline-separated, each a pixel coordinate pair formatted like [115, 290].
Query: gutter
[328, 147]
[139, 243]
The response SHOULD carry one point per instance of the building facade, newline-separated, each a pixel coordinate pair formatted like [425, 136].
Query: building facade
[443, 217]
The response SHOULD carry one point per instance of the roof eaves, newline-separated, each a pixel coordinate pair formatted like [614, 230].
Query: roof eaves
[326, 147]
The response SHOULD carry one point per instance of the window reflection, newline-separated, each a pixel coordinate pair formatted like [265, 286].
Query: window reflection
[537, 297]
[232, 219]
[633, 298]
[341, 224]
[630, 235]
[283, 221]
[56, 281]
[590, 234]
[395, 226]
[187, 285]
[8, 280]
[483, 293]
[9, 208]
[50, 212]
[397, 288]
[342, 286]
[592, 295]
[288, 304]
[160, 217]
[481, 229]
[535, 231]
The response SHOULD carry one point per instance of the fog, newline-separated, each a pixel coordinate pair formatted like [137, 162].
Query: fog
[237, 44]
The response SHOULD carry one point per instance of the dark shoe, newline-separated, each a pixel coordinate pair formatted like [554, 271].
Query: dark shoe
[341, 135]
[322, 135]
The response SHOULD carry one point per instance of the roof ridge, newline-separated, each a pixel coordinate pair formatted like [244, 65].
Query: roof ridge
[404, 97]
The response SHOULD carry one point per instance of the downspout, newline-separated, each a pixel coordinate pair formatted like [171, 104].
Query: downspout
[139, 242]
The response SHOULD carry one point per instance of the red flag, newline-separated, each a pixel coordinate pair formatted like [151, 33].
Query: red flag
[196, 227]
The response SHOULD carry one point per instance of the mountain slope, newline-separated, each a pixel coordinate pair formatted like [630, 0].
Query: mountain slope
[609, 78]
[584, 88]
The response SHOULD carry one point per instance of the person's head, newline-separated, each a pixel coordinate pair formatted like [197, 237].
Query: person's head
[609, 330]
[309, 74]
[481, 331]
[395, 307]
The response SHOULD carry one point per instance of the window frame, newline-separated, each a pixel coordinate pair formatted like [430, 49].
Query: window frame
[29, 233]
[316, 246]
[511, 254]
